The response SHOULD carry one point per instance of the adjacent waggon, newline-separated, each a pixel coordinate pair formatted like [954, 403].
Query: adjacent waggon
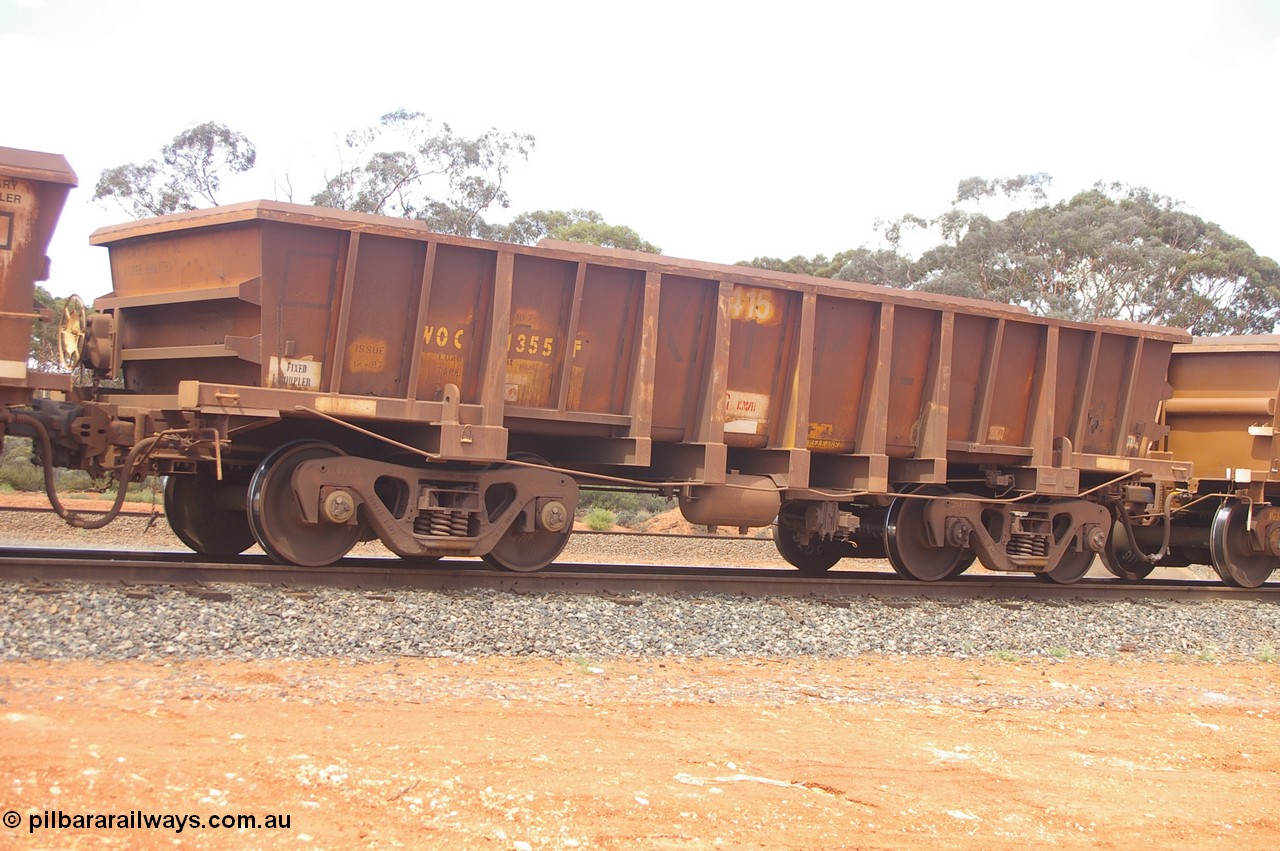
[33, 190]
[1222, 419]
[306, 378]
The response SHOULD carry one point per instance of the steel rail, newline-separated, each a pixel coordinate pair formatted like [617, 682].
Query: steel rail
[22, 564]
[124, 512]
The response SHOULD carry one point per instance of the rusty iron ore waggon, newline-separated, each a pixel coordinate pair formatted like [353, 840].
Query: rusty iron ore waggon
[307, 378]
[33, 189]
[1222, 419]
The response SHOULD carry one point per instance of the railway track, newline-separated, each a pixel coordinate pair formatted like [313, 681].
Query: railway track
[130, 509]
[48, 567]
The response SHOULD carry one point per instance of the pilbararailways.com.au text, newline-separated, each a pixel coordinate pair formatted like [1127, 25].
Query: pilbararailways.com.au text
[141, 820]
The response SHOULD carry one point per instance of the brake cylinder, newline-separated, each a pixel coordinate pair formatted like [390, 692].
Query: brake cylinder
[740, 501]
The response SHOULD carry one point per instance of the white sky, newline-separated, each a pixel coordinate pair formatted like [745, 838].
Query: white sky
[719, 131]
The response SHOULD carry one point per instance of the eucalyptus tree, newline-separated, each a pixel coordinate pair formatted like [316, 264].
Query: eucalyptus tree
[187, 174]
[1111, 251]
[409, 165]
[584, 226]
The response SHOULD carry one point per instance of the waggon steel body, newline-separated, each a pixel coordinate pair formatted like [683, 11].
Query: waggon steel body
[33, 189]
[321, 375]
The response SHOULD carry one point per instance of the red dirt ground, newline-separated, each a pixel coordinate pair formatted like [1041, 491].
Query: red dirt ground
[514, 753]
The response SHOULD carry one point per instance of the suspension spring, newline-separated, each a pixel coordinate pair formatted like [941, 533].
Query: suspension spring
[1028, 544]
[443, 523]
[460, 524]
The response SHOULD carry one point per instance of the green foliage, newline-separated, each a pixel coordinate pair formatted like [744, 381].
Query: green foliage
[820, 266]
[44, 335]
[17, 471]
[584, 226]
[630, 509]
[600, 519]
[141, 190]
[197, 155]
[406, 165]
[606, 235]
[1031, 186]
[189, 168]
[883, 267]
[1113, 251]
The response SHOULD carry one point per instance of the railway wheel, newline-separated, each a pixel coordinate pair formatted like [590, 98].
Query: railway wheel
[817, 556]
[1121, 560]
[276, 518]
[907, 545]
[526, 551]
[1233, 558]
[193, 505]
[1072, 564]
[1070, 568]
